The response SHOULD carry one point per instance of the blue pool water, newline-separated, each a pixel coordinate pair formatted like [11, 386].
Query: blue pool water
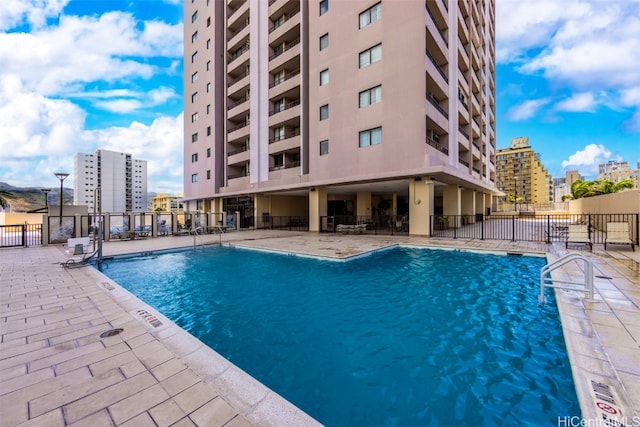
[403, 337]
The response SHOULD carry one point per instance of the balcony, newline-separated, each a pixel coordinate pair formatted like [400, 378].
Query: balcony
[433, 143]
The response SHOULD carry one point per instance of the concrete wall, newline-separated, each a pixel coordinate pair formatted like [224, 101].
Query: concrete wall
[20, 218]
[624, 202]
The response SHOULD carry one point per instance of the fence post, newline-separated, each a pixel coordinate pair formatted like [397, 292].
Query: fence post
[513, 228]
[24, 234]
[548, 229]
[482, 228]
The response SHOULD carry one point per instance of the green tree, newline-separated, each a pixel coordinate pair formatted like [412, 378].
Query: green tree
[4, 195]
[581, 189]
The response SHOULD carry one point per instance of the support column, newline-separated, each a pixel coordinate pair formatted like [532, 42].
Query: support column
[363, 204]
[262, 211]
[468, 206]
[480, 204]
[451, 200]
[317, 207]
[421, 201]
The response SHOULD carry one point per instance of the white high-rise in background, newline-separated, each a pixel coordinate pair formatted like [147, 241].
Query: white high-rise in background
[123, 181]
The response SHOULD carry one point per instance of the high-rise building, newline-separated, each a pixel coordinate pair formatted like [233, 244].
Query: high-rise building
[521, 174]
[617, 171]
[122, 179]
[331, 107]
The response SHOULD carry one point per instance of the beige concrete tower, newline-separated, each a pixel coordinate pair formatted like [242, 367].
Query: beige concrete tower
[333, 107]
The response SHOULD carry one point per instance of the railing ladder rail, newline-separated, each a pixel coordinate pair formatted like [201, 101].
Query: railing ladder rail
[549, 282]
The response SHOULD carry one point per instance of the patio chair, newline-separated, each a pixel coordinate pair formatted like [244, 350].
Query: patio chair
[578, 234]
[618, 234]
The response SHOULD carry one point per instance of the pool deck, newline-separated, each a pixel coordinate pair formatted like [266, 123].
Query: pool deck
[56, 370]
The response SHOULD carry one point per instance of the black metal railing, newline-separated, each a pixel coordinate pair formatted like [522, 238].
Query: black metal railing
[529, 226]
[367, 224]
[20, 235]
[292, 223]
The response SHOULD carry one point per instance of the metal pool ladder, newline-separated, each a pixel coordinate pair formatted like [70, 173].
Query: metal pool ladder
[547, 281]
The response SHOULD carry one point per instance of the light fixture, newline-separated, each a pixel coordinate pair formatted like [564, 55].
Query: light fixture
[61, 176]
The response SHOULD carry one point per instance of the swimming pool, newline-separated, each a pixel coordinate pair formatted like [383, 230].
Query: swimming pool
[403, 337]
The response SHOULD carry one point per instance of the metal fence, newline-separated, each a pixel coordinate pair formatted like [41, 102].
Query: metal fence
[370, 224]
[528, 226]
[20, 235]
[292, 223]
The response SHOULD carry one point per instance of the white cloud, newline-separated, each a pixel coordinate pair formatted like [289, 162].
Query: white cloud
[588, 159]
[34, 12]
[578, 102]
[527, 109]
[87, 49]
[41, 135]
[578, 45]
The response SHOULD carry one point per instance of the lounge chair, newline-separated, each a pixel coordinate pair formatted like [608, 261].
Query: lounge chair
[578, 234]
[618, 234]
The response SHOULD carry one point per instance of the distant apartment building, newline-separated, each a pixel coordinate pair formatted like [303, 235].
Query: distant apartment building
[167, 202]
[562, 186]
[121, 178]
[616, 171]
[332, 107]
[521, 174]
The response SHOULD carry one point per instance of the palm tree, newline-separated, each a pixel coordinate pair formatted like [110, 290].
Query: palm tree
[4, 195]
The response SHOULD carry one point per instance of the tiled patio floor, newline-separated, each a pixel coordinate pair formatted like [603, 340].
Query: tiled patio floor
[56, 370]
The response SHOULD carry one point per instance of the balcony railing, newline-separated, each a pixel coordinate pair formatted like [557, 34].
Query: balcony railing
[435, 103]
[432, 142]
[285, 107]
[235, 80]
[285, 166]
[285, 48]
[236, 127]
[434, 62]
[281, 22]
[286, 135]
[287, 76]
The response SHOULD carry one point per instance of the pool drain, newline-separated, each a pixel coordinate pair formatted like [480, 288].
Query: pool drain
[111, 333]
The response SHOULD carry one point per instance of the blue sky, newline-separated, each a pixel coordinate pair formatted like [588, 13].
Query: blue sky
[77, 75]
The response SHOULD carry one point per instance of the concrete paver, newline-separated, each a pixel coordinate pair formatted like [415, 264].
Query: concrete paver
[55, 369]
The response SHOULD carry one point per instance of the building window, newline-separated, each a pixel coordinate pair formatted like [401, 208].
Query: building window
[278, 105]
[208, 44]
[194, 57]
[278, 160]
[278, 133]
[370, 137]
[194, 97]
[209, 22]
[370, 96]
[278, 77]
[208, 174]
[370, 56]
[208, 152]
[194, 37]
[370, 15]
[208, 130]
[194, 157]
[194, 137]
[208, 65]
[194, 77]
[324, 77]
[324, 41]
[194, 17]
[194, 177]
[208, 87]
[324, 7]
[324, 147]
[324, 112]
[194, 117]
[208, 108]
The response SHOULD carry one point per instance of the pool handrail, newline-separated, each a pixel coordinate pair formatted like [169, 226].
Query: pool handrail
[547, 269]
